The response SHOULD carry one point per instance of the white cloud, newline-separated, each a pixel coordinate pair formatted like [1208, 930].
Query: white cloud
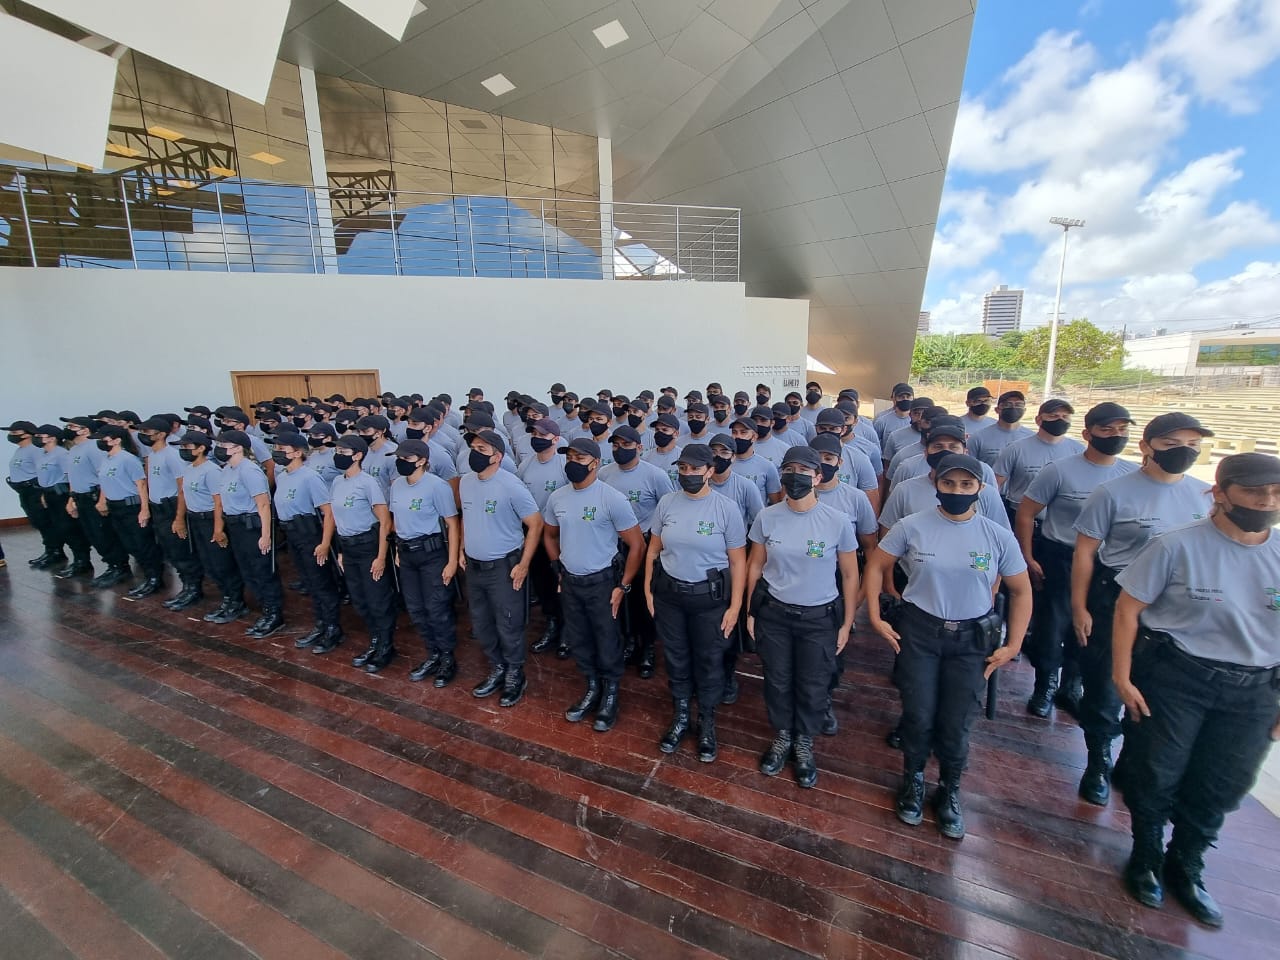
[1220, 46]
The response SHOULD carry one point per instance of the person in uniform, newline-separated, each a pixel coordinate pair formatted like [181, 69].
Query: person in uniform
[304, 509]
[54, 463]
[379, 462]
[233, 418]
[242, 521]
[1196, 662]
[920, 493]
[428, 543]
[798, 617]
[1116, 521]
[122, 499]
[911, 452]
[666, 446]
[986, 444]
[978, 404]
[947, 636]
[749, 465]
[812, 402]
[695, 576]
[1056, 495]
[783, 428]
[584, 523]
[82, 474]
[24, 480]
[742, 406]
[543, 474]
[896, 417]
[697, 417]
[720, 408]
[1018, 464]
[164, 485]
[501, 530]
[643, 485]
[767, 445]
[321, 441]
[201, 478]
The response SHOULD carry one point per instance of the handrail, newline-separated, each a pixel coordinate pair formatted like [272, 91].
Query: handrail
[134, 220]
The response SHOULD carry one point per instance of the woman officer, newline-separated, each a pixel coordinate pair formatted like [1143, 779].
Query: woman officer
[796, 618]
[122, 499]
[947, 637]
[1201, 689]
[696, 570]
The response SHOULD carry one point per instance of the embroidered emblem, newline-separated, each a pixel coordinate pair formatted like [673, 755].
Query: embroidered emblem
[980, 561]
[816, 549]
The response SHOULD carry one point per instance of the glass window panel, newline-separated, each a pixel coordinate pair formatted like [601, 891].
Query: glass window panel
[475, 145]
[281, 116]
[465, 185]
[354, 119]
[577, 164]
[528, 151]
[162, 84]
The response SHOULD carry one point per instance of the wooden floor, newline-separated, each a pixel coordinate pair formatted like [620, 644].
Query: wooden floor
[171, 789]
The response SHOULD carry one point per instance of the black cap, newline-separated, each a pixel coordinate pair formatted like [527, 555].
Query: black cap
[196, 438]
[694, 395]
[335, 398]
[104, 432]
[620, 398]
[646, 395]
[715, 398]
[639, 405]
[978, 393]
[304, 410]
[959, 461]
[375, 421]
[557, 388]
[848, 393]
[746, 422]
[89, 422]
[353, 442]
[901, 388]
[48, 430]
[1106, 413]
[199, 408]
[346, 416]
[442, 397]
[290, 438]
[428, 414]
[238, 437]
[414, 448]
[107, 415]
[1248, 470]
[667, 420]
[129, 416]
[582, 445]
[696, 455]
[270, 416]
[493, 439]
[159, 424]
[605, 390]
[626, 433]
[1054, 404]
[742, 395]
[946, 429]
[919, 403]
[322, 430]
[804, 456]
[1012, 395]
[570, 395]
[666, 403]
[546, 427]
[763, 411]
[200, 424]
[830, 417]
[478, 420]
[722, 440]
[1168, 423]
[780, 409]
[930, 414]
[827, 443]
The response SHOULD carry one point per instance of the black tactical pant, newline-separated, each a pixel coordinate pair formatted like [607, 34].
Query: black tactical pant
[1100, 706]
[32, 503]
[180, 553]
[692, 645]
[797, 647]
[256, 568]
[499, 613]
[939, 675]
[64, 530]
[97, 529]
[429, 601]
[303, 535]
[589, 627]
[1197, 756]
[1053, 643]
[217, 561]
[545, 583]
[375, 600]
[137, 541]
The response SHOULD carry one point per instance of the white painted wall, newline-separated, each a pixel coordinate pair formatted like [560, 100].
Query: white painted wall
[76, 341]
[1171, 355]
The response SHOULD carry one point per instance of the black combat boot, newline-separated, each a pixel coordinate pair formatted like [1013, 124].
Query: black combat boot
[148, 587]
[79, 567]
[513, 686]
[492, 683]
[448, 670]
[49, 560]
[192, 593]
[332, 638]
[679, 728]
[427, 668]
[731, 690]
[946, 805]
[1041, 701]
[308, 639]
[382, 656]
[230, 609]
[1146, 864]
[776, 757]
[590, 699]
[1183, 870]
[1095, 785]
[270, 622]
[830, 725]
[708, 749]
[910, 803]
[360, 659]
[111, 576]
[804, 764]
[607, 715]
[550, 636]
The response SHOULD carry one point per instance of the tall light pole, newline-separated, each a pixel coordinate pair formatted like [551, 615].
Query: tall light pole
[1066, 223]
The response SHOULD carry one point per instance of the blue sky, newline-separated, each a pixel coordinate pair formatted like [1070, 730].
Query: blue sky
[1154, 121]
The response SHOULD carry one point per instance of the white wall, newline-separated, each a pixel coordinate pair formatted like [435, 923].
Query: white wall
[1172, 355]
[76, 341]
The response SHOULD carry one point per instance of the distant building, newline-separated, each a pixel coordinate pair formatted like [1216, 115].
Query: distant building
[1213, 351]
[1001, 311]
[922, 325]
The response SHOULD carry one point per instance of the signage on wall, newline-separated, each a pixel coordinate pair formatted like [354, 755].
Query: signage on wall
[779, 375]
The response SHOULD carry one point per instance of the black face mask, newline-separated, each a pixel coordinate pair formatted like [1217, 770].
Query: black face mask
[1012, 414]
[779, 423]
[761, 399]
[1056, 428]
[148, 440]
[281, 458]
[69, 436]
[663, 439]
[343, 461]
[692, 482]
[1175, 459]
[828, 471]
[221, 454]
[980, 409]
[317, 441]
[567, 407]
[342, 426]
[512, 405]
[411, 434]
[1248, 519]
[956, 503]
[478, 462]
[812, 397]
[721, 415]
[16, 438]
[933, 459]
[742, 444]
[102, 445]
[1109, 446]
[188, 455]
[618, 412]
[762, 430]
[722, 464]
[635, 420]
[740, 408]
[405, 467]
[697, 426]
[557, 398]
[583, 416]
[797, 485]
[540, 444]
[794, 405]
[576, 472]
[622, 456]
[903, 405]
[597, 429]
[297, 422]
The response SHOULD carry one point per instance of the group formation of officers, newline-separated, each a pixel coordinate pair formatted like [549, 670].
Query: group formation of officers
[729, 523]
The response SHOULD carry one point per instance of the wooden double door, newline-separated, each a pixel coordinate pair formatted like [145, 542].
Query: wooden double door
[251, 386]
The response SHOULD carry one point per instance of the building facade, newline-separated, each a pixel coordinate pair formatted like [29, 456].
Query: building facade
[1001, 311]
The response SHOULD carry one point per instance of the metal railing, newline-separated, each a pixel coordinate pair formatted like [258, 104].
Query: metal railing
[127, 221]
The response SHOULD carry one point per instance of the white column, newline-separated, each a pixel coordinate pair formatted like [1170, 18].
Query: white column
[319, 170]
[605, 147]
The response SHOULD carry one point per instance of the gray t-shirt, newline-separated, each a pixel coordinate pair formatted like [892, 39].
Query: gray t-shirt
[1217, 598]
[952, 565]
[238, 487]
[854, 504]
[299, 493]
[918, 493]
[904, 453]
[801, 560]
[1063, 487]
[1126, 512]
[23, 464]
[773, 449]
[918, 466]
[86, 458]
[440, 461]
[543, 479]
[898, 441]
[760, 472]
[856, 469]
[199, 483]
[418, 508]
[492, 512]
[353, 501]
[742, 492]
[1022, 460]
[985, 445]
[118, 475]
[890, 422]
[53, 466]
[163, 470]
[381, 465]
[643, 486]
[320, 459]
[665, 460]
[590, 521]
[697, 534]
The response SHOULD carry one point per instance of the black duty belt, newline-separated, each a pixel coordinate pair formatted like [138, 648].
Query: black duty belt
[199, 514]
[589, 579]
[768, 600]
[250, 521]
[938, 623]
[507, 561]
[367, 538]
[1214, 671]
[430, 542]
[58, 489]
[31, 484]
[134, 501]
[92, 492]
[666, 583]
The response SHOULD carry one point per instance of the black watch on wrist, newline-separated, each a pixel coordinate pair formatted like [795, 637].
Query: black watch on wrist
[624, 587]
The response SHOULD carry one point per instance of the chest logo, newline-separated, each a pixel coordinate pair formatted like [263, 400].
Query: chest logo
[349, 502]
[816, 549]
[233, 486]
[589, 513]
[491, 506]
[415, 503]
[706, 527]
[291, 494]
[633, 496]
[1273, 599]
[980, 561]
[550, 486]
[111, 471]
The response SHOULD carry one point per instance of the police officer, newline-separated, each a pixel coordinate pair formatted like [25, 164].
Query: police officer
[1117, 520]
[896, 417]
[986, 444]
[695, 576]
[1019, 463]
[303, 507]
[666, 445]
[122, 499]
[321, 439]
[201, 478]
[584, 523]
[233, 418]
[768, 446]
[912, 452]
[751, 466]
[720, 409]
[379, 461]
[82, 475]
[555, 409]
[726, 481]
[1056, 496]
[362, 524]
[920, 493]
[697, 421]
[428, 541]
[242, 521]
[24, 479]
[909, 436]
[860, 461]
[947, 637]
[54, 462]
[164, 483]
[1201, 687]
[978, 401]
[796, 616]
[501, 529]
[543, 474]
[812, 401]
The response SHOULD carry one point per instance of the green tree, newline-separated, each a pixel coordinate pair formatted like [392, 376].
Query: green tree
[951, 351]
[1081, 346]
